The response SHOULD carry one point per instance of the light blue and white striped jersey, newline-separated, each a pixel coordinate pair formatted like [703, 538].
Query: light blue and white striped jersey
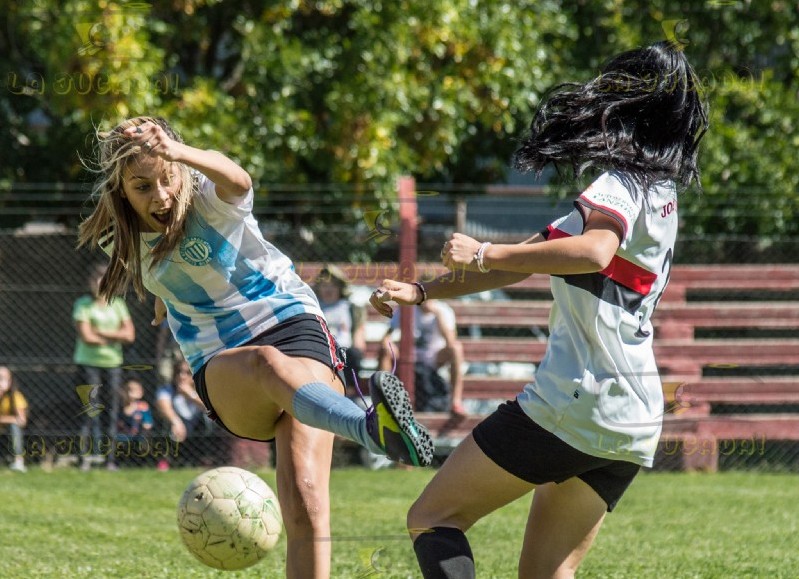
[224, 284]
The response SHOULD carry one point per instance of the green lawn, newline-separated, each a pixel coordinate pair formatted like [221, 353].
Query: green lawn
[122, 524]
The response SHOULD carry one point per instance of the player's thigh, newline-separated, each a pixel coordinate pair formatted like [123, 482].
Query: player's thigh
[240, 394]
[250, 387]
[468, 486]
[564, 520]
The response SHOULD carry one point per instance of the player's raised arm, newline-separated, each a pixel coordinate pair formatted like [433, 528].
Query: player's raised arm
[589, 252]
[232, 181]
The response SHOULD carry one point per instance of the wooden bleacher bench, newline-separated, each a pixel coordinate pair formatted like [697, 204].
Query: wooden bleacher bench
[729, 303]
[694, 427]
[672, 319]
[764, 279]
[686, 280]
[683, 357]
[697, 396]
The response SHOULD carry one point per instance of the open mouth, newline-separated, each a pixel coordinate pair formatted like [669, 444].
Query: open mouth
[163, 216]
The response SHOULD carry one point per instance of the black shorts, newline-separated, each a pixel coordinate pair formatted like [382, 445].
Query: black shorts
[523, 448]
[301, 336]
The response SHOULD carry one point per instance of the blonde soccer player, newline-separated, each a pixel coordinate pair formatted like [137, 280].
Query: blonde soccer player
[177, 221]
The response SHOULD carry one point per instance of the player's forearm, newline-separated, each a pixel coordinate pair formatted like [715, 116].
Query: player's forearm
[231, 180]
[455, 284]
[574, 255]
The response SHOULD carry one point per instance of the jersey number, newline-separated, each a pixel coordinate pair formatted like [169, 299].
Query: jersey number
[666, 269]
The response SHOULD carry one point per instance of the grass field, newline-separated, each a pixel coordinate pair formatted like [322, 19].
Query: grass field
[122, 524]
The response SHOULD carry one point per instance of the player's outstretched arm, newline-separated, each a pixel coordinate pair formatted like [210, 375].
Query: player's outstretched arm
[586, 253]
[589, 252]
[459, 282]
[443, 287]
[507, 264]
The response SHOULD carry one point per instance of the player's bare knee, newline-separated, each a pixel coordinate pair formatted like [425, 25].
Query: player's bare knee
[546, 572]
[420, 518]
[304, 507]
[423, 516]
[414, 522]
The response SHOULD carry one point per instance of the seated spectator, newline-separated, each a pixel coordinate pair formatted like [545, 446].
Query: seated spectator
[13, 417]
[134, 425]
[437, 345]
[345, 320]
[180, 406]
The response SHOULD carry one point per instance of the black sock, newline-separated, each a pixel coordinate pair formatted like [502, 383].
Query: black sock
[444, 553]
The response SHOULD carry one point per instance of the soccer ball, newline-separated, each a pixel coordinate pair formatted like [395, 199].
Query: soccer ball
[229, 518]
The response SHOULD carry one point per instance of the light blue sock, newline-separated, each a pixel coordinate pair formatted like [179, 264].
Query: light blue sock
[317, 405]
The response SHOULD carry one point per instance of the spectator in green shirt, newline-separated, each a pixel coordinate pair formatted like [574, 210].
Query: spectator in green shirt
[103, 327]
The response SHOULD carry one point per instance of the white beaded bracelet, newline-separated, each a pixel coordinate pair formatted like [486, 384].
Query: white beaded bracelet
[480, 255]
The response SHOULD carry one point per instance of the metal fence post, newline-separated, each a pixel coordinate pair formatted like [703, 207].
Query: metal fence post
[407, 261]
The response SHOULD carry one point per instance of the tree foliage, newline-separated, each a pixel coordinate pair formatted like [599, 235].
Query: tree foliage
[747, 54]
[357, 92]
[301, 91]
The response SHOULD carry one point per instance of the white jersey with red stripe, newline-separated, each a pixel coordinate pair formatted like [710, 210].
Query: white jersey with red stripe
[597, 387]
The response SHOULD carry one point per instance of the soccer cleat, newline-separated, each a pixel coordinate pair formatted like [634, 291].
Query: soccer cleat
[391, 424]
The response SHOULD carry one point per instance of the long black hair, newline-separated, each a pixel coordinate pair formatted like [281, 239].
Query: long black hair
[644, 115]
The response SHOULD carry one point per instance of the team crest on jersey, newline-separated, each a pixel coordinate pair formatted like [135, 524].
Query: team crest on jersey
[195, 251]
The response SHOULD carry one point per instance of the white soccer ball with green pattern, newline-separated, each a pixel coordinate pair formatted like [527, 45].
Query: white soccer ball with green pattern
[229, 518]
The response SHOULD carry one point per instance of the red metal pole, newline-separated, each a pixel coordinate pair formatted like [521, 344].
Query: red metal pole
[407, 269]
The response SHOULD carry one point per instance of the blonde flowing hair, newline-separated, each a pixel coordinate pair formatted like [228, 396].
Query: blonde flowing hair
[113, 219]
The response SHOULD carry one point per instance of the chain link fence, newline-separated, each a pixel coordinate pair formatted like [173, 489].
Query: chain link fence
[42, 274]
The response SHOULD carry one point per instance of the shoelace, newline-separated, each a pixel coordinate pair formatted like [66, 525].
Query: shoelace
[370, 408]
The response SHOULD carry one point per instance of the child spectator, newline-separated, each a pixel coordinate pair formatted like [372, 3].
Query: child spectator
[13, 416]
[134, 424]
[180, 405]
